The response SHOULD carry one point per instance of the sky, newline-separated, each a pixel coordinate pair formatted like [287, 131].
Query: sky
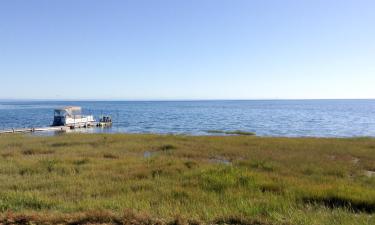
[187, 49]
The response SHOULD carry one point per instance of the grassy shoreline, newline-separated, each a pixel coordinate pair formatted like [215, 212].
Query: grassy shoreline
[111, 178]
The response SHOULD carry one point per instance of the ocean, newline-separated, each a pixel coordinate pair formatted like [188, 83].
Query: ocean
[287, 118]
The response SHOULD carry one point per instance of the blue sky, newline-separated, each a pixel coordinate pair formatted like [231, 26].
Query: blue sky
[187, 49]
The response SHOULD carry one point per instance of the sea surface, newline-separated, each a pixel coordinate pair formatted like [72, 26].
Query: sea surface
[291, 118]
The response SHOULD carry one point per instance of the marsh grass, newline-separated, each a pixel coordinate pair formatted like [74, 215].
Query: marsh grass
[100, 178]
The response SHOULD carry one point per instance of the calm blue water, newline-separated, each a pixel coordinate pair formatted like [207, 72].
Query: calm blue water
[323, 118]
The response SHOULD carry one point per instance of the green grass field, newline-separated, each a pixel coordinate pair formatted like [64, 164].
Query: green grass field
[154, 179]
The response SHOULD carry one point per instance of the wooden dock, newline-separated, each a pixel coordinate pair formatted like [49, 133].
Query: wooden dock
[31, 130]
[56, 128]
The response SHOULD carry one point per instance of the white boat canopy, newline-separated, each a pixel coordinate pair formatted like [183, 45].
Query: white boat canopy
[69, 111]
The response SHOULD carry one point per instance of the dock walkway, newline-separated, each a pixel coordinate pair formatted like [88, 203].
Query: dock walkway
[31, 130]
[56, 128]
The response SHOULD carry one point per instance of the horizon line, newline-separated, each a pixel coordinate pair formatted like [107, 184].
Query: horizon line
[173, 100]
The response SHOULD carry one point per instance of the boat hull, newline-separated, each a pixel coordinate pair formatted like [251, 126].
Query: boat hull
[81, 121]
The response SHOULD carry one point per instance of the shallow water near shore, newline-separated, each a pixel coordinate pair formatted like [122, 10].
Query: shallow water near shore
[290, 118]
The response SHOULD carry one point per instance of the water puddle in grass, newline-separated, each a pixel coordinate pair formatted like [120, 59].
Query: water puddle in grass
[370, 173]
[148, 154]
[355, 160]
[221, 161]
